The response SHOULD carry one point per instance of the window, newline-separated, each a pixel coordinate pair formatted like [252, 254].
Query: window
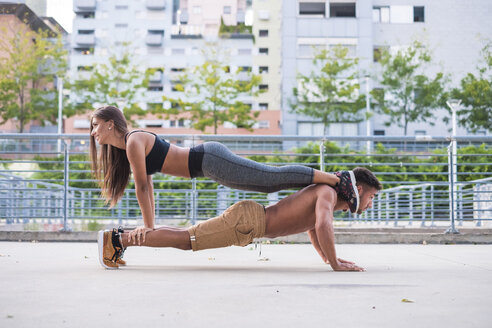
[263, 69]
[263, 106]
[89, 14]
[244, 68]
[420, 132]
[378, 132]
[381, 14]
[120, 25]
[86, 68]
[86, 32]
[263, 51]
[155, 88]
[197, 10]
[401, 14]
[84, 51]
[377, 52]
[181, 123]
[177, 69]
[227, 10]
[418, 14]
[263, 87]
[305, 50]
[263, 124]
[177, 51]
[177, 86]
[153, 124]
[244, 52]
[310, 129]
[121, 7]
[312, 8]
[156, 32]
[342, 9]
[342, 129]
[263, 33]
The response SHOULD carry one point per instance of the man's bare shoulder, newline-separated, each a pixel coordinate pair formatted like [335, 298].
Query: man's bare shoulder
[325, 191]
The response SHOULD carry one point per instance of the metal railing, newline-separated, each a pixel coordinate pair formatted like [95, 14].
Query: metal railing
[45, 179]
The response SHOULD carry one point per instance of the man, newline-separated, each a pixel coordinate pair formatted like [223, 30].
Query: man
[310, 209]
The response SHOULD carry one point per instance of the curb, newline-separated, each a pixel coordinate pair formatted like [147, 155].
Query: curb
[342, 236]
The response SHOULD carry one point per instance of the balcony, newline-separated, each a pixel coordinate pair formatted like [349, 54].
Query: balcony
[156, 77]
[155, 4]
[154, 40]
[84, 5]
[186, 31]
[85, 39]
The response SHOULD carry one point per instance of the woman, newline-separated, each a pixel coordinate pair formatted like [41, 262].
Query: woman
[147, 154]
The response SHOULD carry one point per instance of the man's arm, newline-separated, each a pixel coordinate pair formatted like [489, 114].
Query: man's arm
[317, 247]
[325, 204]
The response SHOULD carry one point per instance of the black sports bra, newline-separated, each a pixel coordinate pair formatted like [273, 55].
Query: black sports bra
[157, 155]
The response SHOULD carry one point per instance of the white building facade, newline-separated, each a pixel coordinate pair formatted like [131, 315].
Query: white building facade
[454, 30]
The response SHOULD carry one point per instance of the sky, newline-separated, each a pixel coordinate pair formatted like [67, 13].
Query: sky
[62, 11]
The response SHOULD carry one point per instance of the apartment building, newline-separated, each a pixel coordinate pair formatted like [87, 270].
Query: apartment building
[453, 29]
[267, 56]
[167, 35]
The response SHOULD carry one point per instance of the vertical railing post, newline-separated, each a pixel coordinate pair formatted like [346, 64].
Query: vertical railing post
[477, 189]
[452, 207]
[379, 207]
[397, 208]
[424, 205]
[432, 205]
[387, 208]
[322, 156]
[460, 204]
[65, 187]
[193, 193]
[410, 195]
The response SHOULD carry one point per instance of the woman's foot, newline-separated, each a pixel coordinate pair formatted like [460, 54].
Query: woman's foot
[347, 189]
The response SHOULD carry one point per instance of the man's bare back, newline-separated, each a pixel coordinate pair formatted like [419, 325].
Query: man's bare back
[297, 212]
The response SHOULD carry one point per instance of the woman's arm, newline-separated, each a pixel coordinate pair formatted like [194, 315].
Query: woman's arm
[151, 193]
[143, 186]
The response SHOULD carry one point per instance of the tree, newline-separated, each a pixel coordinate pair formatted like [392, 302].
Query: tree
[331, 91]
[408, 94]
[29, 63]
[475, 93]
[118, 82]
[211, 94]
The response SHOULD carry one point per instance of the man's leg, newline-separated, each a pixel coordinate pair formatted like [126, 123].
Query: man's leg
[163, 237]
[238, 225]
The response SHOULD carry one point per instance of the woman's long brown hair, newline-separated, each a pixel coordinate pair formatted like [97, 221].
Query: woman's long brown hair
[111, 163]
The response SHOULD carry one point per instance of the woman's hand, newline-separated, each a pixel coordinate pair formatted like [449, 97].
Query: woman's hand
[138, 235]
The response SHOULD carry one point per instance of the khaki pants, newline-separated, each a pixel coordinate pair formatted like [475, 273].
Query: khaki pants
[238, 225]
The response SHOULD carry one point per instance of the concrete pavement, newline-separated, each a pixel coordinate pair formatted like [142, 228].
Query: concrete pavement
[62, 285]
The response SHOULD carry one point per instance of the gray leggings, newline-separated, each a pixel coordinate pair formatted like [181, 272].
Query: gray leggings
[233, 171]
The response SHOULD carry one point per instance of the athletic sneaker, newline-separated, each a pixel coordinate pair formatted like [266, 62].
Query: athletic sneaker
[109, 248]
[347, 189]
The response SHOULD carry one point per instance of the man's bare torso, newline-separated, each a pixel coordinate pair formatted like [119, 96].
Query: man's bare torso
[297, 212]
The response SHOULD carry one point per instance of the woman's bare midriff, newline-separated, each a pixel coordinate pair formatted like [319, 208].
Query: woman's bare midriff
[176, 162]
